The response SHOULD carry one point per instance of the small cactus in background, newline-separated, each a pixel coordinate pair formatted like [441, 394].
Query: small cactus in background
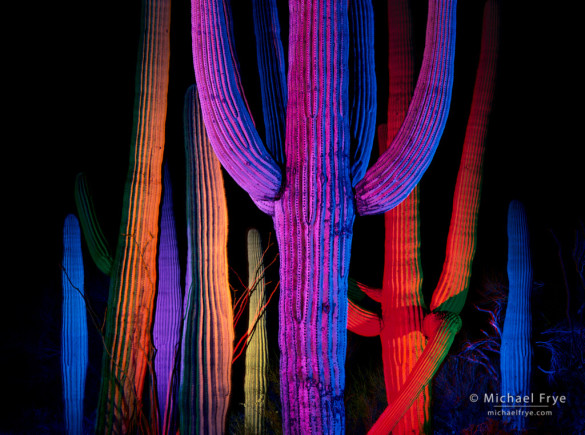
[255, 383]
[74, 348]
[97, 244]
[168, 314]
[516, 349]
[207, 341]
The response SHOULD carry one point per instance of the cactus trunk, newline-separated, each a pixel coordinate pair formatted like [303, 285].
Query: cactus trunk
[129, 348]
[167, 319]
[74, 348]
[207, 342]
[255, 383]
[516, 349]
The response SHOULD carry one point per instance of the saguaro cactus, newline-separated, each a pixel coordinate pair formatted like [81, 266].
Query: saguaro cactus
[314, 209]
[129, 346]
[516, 349]
[74, 352]
[169, 310]
[406, 355]
[255, 382]
[207, 343]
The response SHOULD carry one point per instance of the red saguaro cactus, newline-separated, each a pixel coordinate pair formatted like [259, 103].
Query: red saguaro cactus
[409, 361]
[311, 198]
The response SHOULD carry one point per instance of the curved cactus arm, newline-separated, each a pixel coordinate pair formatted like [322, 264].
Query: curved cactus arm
[357, 291]
[364, 103]
[97, 244]
[516, 348]
[271, 67]
[400, 168]
[74, 347]
[168, 313]
[451, 291]
[228, 122]
[207, 341]
[441, 328]
[361, 321]
[255, 381]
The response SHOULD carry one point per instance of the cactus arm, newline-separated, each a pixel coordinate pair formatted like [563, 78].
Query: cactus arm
[364, 102]
[96, 242]
[168, 314]
[357, 291]
[400, 168]
[271, 66]
[451, 290]
[228, 122]
[255, 381]
[207, 342]
[133, 284]
[361, 321]
[74, 347]
[516, 348]
[441, 328]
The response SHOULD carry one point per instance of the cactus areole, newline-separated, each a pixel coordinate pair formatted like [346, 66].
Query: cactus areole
[311, 198]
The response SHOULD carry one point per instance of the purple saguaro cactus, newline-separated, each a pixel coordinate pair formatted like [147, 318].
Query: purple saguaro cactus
[516, 350]
[169, 310]
[311, 198]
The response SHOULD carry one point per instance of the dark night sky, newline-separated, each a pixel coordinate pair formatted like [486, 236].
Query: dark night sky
[76, 87]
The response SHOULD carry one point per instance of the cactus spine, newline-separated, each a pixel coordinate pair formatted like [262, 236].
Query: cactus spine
[255, 383]
[207, 342]
[129, 347]
[516, 349]
[74, 348]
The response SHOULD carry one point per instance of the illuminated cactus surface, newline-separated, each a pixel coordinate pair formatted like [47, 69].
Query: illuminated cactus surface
[409, 361]
[310, 195]
[168, 313]
[516, 349]
[74, 351]
[255, 382]
[207, 342]
[129, 349]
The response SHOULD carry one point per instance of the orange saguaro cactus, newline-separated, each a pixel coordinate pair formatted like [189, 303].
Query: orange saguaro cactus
[409, 361]
[129, 348]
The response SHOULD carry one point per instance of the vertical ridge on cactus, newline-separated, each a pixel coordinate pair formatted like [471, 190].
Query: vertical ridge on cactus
[516, 348]
[133, 280]
[97, 244]
[255, 382]
[74, 347]
[168, 313]
[207, 342]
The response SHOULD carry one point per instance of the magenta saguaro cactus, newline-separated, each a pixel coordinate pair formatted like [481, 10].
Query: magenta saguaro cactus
[311, 198]
[516, 349]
